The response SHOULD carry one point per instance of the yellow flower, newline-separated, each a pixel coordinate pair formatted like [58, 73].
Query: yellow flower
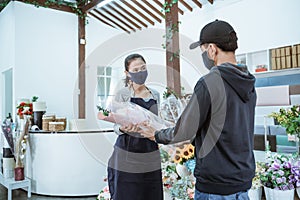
[177, 159]
[185, 154]
[191, 149]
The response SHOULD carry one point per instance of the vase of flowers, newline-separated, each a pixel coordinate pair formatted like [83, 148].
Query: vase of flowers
[296, 176]
[104, 194]
[277, 178]
[255, 192]
[178, 163]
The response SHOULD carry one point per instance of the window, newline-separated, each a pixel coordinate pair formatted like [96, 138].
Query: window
[104, 81]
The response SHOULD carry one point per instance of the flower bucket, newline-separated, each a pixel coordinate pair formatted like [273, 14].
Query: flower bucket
[298, 191]
[255, 194]
[272, 194]
[19, 173]
[167, 196]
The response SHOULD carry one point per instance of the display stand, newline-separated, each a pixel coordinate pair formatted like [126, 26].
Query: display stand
[11, 184]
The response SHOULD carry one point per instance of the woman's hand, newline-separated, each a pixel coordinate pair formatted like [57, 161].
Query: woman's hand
[130, 128]
[144, 128]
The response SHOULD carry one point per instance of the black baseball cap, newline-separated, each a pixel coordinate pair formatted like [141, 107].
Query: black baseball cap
[220, 33]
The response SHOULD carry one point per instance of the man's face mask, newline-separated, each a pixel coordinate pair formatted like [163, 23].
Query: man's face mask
[139, 77]
[209, 63]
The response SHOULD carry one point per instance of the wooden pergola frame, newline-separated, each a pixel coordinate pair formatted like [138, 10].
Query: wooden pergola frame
[130, 23]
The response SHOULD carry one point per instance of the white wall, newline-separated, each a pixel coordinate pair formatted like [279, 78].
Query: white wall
[46, 56]
[260, 24]
[7, 47]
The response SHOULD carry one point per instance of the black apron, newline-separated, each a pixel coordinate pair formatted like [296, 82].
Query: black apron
[134, 168]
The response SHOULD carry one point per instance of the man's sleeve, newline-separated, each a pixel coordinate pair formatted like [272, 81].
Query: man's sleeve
[193, 118]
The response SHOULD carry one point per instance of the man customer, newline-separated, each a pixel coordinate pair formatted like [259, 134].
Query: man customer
[219, 119]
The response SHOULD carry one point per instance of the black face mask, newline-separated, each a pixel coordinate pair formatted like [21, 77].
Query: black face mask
[209, 63]
[139, 77]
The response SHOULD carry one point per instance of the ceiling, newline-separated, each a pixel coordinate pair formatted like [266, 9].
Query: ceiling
[125, 15]
[134, 15]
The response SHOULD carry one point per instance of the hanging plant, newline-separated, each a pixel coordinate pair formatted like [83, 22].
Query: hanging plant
[167, 6]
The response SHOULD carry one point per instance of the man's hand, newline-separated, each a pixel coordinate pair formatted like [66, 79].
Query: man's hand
[147, 130]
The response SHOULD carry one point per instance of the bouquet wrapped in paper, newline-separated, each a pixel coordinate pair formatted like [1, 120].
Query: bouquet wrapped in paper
[125, 113]
[172, 106]
[7, 130]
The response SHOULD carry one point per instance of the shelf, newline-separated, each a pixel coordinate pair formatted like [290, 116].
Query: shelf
[281, 72]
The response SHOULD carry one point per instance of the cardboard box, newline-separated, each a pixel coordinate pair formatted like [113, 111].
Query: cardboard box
[282, 51]
[294, 50]
[273, 63]
[283, 64]
[273, 53]
[294, 61]
[288, 61]
[278, 53]
[298, 61]
[298, 49]
[278, 64]
[287, 51]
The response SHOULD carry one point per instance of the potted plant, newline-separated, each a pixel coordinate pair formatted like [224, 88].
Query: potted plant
[277, 177]
[255, 192]
[296, 176]
[290, 119]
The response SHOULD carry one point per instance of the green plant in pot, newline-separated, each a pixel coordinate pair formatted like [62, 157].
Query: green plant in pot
[289, 118]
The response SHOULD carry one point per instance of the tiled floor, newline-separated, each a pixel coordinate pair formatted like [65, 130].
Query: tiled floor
[22, 195]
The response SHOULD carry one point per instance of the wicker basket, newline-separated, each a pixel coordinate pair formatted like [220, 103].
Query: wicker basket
[62, 119]
[46, 120]
[56, 126]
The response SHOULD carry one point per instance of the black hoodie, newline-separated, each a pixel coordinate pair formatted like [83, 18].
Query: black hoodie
[219, 120]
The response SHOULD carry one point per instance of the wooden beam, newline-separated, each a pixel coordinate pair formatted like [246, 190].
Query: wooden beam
[146, 10]
[54, 6]
[153, 8]
[186, 5]
[81, 67]
[161, 5]
[131, 15]
[108, 19]
[90, 6]
[124, 16]
[92, 14]
[211, 1]
[197, 3]
[138, 12]
[122, 21]
[172, 49]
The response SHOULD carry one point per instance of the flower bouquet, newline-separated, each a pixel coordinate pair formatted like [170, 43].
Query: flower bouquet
[124, 113]
[178, 164]
[24, 109]
[277, 178]
[172, 106]
[7, 129]
[104, 194]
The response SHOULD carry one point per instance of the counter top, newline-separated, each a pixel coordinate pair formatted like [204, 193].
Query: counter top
[72, 131]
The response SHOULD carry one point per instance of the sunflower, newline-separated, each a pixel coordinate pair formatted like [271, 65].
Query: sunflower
[187, 152]
[177, 159]
[191, 149]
